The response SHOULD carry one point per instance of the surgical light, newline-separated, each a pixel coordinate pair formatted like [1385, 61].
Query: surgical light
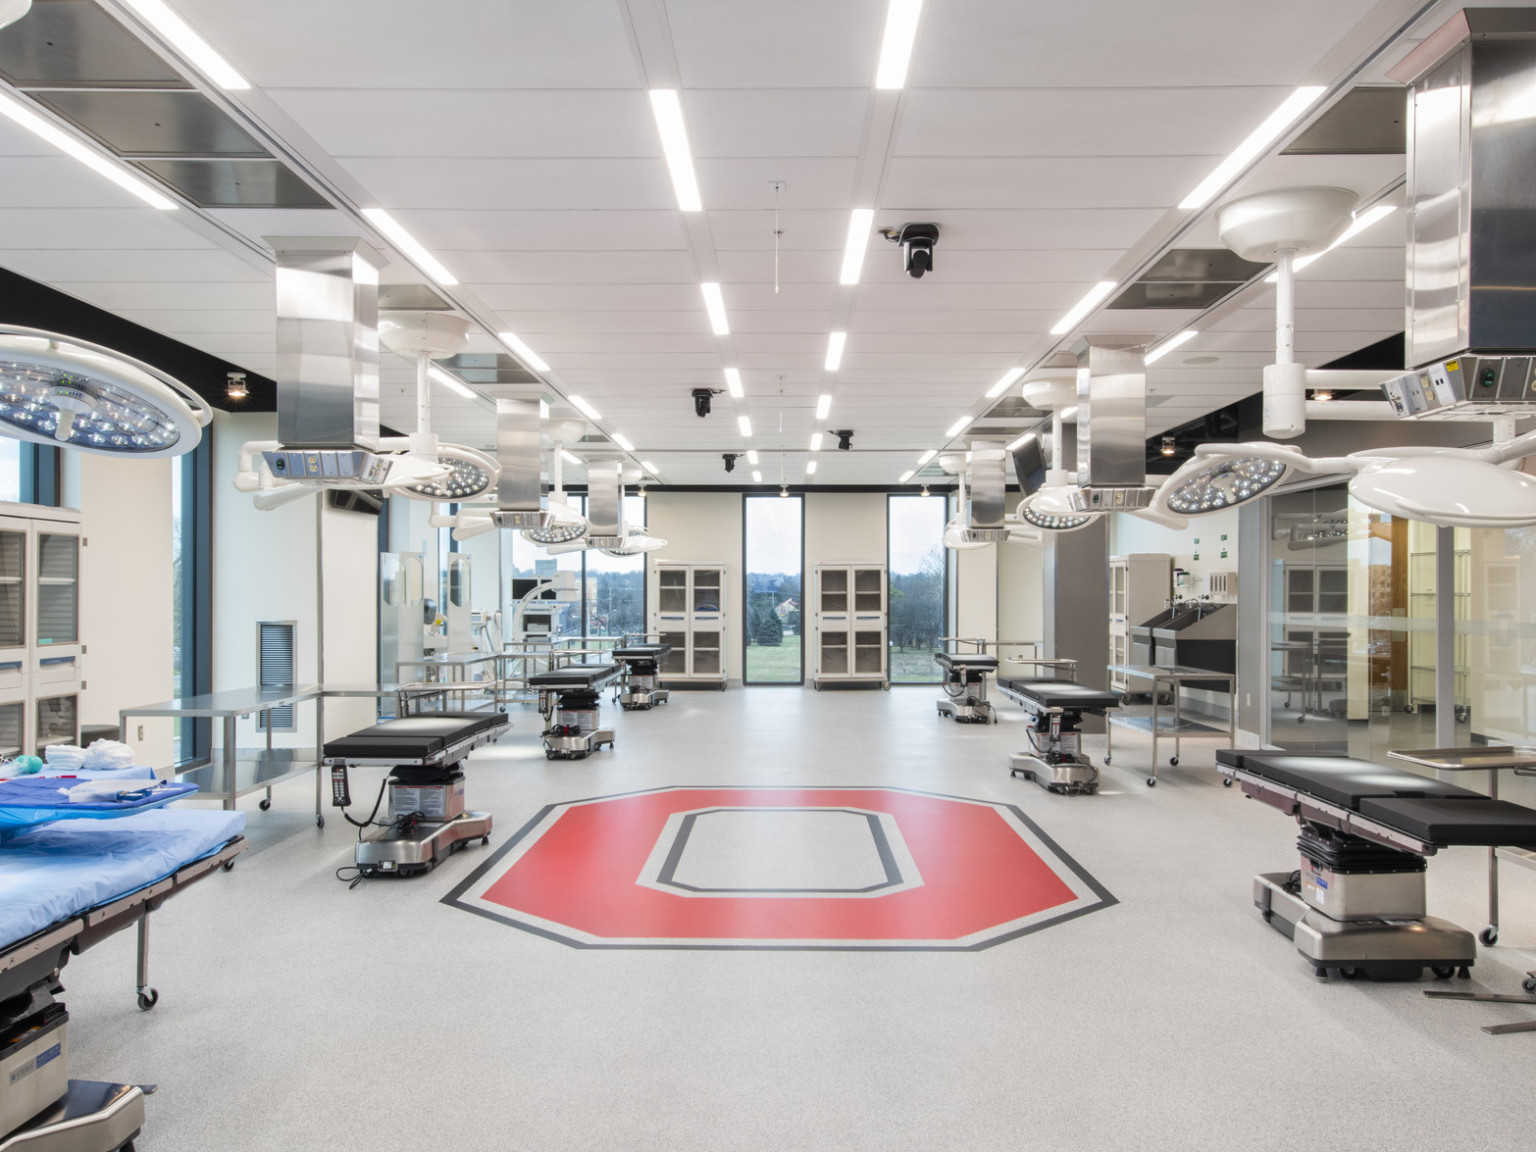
[896, 44]
[733, 382]
[472, 475]
[823, 406]
[1168, 345]
[714, 304]
[1261, 137]
[1225, 482]
[1052, 522]
[835, 344]
[1002, 385]
[584, 408]
[158, 16]
[1084, 306]
[623, 442]
[745, 424]
[15, 110]
[409, 245]
[524, 353]
[62, 391]
[857, 243]
[1361, 223]
[668, 111]
[452, 383]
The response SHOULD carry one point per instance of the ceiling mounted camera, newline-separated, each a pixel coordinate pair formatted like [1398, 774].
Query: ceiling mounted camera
[730, 459]
[844, 439]
[917, 241]
[701, 401]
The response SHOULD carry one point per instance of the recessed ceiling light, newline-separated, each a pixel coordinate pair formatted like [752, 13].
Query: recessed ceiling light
[586, 409]
[15, 110]
[745, 424]
[1001, 386]
[189, 43]
[1084, 306]
[668, 111]
[408, 244]
[1362, 222]
[815, 441]
[927, 456]
[835, 344]
[1261, 138]
[714, 304]
[733, 382]
[752, 456]
[859, 224]
[623, 442]
[823, 405]
[568, 458]
[905, 476]
[452, 383]
[757, 477]
[810, 467]
[1170, 344]
[896, 45]
[958, 427]
[524, 353]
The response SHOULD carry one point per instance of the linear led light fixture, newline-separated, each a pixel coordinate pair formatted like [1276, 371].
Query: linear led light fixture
[1084, 306]
[452, 383]
[623, 442]
[1020, 442]
[1170, 344]
[569, 458]
[1261, 138]
[927, 456]
[157, 15]
[524, 353]
[408, 244]
[15, 110]
[733, 382]
[859, 224]
[907, 475]
[649, 467]
[714, 304]
[823, 405]
[896, 45]
[835, 344]
[757, 477]
[745, 424]
[1362, 222]
[958, 427]
[668, 111]
[752, 456]
[815, 441]
[584, 408]
[810, 467]
[1003, 384]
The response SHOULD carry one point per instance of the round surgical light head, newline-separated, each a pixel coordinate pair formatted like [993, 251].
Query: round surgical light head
[1223, 482]
[1452, 490]
[568, 525]
[59, 390]
[472, 475]
[637, 542]
[1052, 521]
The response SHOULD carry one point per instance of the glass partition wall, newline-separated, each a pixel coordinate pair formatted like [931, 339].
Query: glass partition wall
[773, 572]
[916, 561]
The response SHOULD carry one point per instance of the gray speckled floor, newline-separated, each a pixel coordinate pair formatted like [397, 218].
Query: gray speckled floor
[296, 1014]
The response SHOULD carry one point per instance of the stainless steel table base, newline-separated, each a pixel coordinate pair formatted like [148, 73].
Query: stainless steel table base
[92, 1117]
[400, 852]
[968, 711]
[642, 699]
[577, 747]
[1068, 777]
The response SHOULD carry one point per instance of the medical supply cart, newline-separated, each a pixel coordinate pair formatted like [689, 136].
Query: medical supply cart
[852, 625]
[688, 612]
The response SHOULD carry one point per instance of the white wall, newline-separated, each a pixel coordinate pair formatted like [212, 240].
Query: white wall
[1128, 534]
[1020, 593]
[707, 527]
[976, 589]
[126, 592]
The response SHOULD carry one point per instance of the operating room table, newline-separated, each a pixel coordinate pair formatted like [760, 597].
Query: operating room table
[1056, 707]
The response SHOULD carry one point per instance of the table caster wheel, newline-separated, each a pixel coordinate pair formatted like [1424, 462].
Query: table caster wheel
[1173, 761]
[265, 805]
[1489, 936]
[484, 840]
[148, 999]
[319, 821]
[1443, 972]
[1106, 761]
[1151, 781]
[228, 865]
[1226, 781]
[1529, 984]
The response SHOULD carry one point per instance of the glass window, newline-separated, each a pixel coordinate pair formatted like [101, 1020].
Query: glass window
[916, 556]
[10, 469]
[530, 560]
[774, 563]
[615, 585]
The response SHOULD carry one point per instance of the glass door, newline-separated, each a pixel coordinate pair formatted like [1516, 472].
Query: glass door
[834, 589]
[58, 589]
[869, 591]
[57, 722]
[918, 593]
[13, 589]
[12, 716]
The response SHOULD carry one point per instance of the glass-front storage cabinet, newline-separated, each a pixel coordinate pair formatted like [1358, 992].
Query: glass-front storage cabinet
[689, 614]
[40, 647]
[852, 625]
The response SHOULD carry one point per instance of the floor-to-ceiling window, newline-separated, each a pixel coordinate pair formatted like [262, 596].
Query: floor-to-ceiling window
[775, 558]
[915, 556]
[614, 596]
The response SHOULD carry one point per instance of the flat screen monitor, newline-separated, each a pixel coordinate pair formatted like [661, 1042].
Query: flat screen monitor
[1029, 465]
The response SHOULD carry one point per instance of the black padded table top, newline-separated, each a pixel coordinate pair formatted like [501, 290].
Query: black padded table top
[1061, 693]
[1444, 822]
[472, 721]
[641, 651]
[965, 660]
[574, 676]
[412, 737]
[1342, 780]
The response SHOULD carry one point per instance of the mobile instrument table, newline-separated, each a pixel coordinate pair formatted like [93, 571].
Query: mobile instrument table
[1175, 676]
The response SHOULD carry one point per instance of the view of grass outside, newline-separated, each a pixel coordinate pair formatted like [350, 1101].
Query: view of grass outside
[916, 558]
[773, 585]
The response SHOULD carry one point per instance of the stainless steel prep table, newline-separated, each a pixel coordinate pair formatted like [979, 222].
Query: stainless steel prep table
[1175, 676]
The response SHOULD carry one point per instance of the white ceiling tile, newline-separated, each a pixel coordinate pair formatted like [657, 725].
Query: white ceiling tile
[498, 182]
[740, 184]
[782, 122]
[444, 231]
[575, 267]
[1011, 183]
[786, 44]
[128, 266]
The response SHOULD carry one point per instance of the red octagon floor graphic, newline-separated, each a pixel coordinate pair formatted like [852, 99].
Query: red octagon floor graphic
[762, 868]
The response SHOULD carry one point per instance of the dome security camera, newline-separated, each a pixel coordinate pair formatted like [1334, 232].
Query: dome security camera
[730, 460]
[701, 402]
